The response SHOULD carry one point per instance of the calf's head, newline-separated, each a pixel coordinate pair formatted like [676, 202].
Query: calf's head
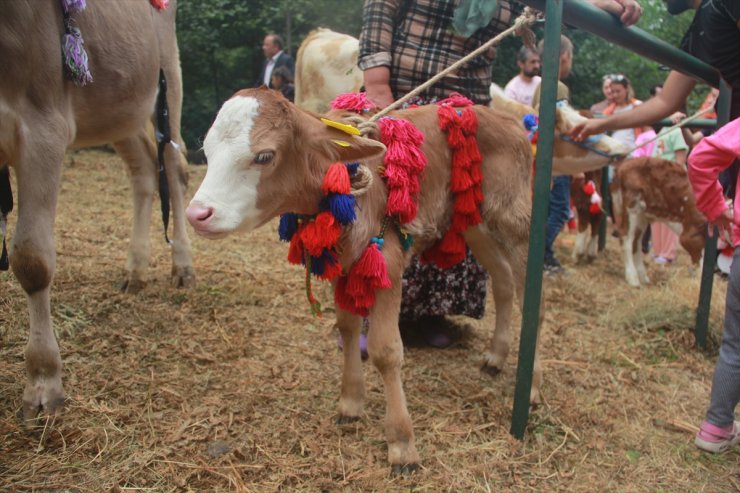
[568, 157]
[266, 157]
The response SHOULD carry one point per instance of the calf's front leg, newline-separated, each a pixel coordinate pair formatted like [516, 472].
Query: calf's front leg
[352, 397]
[386, 353]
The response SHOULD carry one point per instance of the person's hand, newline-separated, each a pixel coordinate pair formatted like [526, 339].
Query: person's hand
[724, 224]
[377, 86]
[632, 12]
[628, 11]
[380, 95]
[590, 127]
[677, 117]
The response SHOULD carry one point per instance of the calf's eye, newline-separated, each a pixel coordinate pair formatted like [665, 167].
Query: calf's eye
[264, 157]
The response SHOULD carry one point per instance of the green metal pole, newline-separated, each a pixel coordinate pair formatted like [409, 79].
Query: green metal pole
[710, 248]
[596, 21]
[543, 173]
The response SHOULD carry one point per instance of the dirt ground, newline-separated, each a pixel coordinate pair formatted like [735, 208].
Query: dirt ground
[233, 385]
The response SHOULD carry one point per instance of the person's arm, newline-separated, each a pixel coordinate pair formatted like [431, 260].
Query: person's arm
[676, 89]
[708, 159]
[376, 41]
[681, 156]
[628, 11]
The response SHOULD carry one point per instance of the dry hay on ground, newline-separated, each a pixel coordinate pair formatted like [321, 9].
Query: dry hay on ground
[233, 386]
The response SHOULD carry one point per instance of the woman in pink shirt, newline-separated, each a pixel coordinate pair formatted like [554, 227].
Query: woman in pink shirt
[720, 431]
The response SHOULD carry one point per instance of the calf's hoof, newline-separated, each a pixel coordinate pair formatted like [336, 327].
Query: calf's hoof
[491, 370]
[45, 396]
[404, 469]
[183, 277]
[131, 285]
[345, 420]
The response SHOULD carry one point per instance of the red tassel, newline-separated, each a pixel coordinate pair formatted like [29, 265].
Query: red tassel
[336, 180]
[460, 180]
[371, 266]
[469, 122]
[594, 209]
[465, 202]
[295, 252]
[322, 233]
[589, 188]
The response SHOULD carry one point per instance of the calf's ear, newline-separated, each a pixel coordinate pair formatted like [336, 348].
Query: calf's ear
[340, 142]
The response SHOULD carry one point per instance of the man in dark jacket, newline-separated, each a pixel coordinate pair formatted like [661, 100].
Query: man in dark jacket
[275, 57]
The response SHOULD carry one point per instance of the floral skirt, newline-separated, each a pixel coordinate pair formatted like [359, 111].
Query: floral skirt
[431, 291]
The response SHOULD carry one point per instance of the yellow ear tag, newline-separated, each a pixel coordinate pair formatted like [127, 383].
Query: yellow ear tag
[341, 143]
[348, 129]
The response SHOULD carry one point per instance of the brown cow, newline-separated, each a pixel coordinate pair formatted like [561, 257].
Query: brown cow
[652, 189]
[42, 114]
[267, 157]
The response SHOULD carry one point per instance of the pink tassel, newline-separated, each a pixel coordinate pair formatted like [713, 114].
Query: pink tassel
[353, 101]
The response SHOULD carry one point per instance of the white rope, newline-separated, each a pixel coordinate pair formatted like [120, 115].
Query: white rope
[677, 125]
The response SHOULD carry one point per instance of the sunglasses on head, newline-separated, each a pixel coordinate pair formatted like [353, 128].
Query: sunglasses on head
[614, 78]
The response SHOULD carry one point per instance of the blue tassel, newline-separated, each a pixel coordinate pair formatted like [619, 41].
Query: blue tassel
[407, 241]
[352, 168]
[317, 265]
[343, 208]
[288, 226]
[530, 121]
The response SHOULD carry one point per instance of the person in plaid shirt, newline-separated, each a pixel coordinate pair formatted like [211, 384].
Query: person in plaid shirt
[403, 44]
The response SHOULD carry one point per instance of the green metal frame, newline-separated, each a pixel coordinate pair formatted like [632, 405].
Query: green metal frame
[592, 19]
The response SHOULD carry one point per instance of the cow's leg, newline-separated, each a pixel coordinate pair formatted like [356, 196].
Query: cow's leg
[386, 353]
[630, 269]
[582, 239]
[592, 250]
[490, 255]
[33, 259]
[139, 154]
[176, 167]
[637, 251]
[352, 398]
[507, 258]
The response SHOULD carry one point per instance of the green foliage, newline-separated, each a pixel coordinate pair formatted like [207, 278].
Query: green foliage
[220, 49]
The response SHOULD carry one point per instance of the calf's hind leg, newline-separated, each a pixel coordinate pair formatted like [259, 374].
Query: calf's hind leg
[139, 154]
[507, 265]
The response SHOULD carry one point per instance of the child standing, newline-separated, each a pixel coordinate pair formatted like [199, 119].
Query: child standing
[720, 431]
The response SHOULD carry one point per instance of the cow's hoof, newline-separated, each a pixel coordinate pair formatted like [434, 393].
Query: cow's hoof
[183, 277]
[131, 285]
[534, 399]
[490, 370]
[404, 469]
[345, 420]
[42, 398]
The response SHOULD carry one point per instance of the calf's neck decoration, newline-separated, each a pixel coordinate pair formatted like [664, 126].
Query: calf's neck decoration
[313, 239]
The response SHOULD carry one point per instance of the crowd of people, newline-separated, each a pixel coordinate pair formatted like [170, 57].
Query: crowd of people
[405, 43]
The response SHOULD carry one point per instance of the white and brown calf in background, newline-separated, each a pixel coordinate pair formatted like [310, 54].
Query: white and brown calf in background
[586, 246]
[326, 66]
[42, 113]
[267, 157]
[646, 190]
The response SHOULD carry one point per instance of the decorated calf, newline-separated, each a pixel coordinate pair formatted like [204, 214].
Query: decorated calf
[584, 190]
[568, 157]
[646, 190]
[443, 175]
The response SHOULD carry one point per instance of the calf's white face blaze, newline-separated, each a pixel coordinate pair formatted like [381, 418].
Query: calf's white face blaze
[230, 185]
